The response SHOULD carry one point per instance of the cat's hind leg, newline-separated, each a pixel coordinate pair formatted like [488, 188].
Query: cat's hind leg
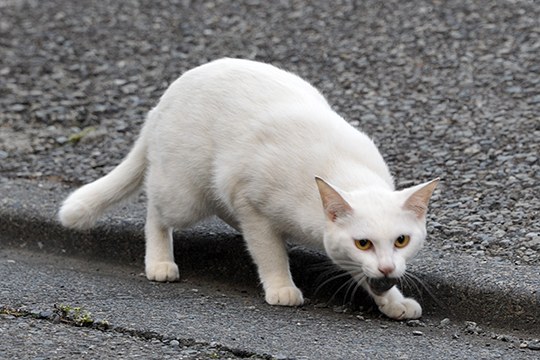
[270, 255]
[170, 205]
[159, 259]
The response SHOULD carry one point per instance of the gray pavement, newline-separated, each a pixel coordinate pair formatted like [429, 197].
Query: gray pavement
[203, 319]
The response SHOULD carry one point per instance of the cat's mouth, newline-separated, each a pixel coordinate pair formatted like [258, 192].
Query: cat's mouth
[381, 285]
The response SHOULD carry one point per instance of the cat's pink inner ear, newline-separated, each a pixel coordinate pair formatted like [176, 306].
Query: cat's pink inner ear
[418, 201]
[333, 203]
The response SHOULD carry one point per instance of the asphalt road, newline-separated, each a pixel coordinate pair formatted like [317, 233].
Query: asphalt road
[201, 319]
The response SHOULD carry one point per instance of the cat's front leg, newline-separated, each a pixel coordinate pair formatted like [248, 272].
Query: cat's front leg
[394, 305]
[269, 253]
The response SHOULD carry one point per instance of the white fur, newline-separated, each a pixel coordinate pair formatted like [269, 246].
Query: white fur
[243, 140]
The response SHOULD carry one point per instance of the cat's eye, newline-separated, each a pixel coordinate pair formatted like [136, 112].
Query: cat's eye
[363, 244]
[402, 241]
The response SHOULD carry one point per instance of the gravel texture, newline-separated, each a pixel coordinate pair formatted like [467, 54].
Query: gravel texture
[446, 88]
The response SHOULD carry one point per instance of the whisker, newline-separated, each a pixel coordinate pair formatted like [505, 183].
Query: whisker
[347, 283]
[322, 265]
[329, 272]
[328, 269]
[410, 280]
[357, 277]
[340, 270]
[417, 280]
[352, 285]
[332, 278]
[358, 284]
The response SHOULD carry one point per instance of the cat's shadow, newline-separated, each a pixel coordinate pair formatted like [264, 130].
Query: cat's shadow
[222, 255]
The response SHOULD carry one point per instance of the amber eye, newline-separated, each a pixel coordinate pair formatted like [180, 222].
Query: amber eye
[402, 241]
[363, 244]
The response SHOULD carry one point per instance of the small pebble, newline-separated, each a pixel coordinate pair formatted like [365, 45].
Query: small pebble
[534, 345]
[415, 323]
[62, 140]
[174, 343]
[417, 333]
[45, 314]
[444, 322]
[472, 328]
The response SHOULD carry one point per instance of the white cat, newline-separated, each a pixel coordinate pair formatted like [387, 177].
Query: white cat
[251, 143]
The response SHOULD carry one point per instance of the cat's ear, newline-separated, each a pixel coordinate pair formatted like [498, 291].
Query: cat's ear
[418, 198]
[333, 203]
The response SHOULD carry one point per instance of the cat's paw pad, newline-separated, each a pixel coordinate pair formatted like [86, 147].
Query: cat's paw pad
[284, 296]
[402, 310]
[162, 271]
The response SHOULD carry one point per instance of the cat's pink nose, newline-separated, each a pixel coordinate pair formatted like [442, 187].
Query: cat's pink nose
[386, 269]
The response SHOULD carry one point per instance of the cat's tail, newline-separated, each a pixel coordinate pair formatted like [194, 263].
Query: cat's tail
[84, 207]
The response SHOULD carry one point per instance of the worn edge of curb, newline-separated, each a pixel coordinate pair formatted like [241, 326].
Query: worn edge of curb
[463, 288]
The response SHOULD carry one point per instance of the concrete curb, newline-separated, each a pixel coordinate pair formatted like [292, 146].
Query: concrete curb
[494, 293]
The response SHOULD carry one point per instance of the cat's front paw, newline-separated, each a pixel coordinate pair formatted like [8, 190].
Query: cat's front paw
[162, 271]
[402, 309]
[284, 296]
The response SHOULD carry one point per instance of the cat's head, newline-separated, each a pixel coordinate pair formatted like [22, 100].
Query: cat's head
[374, 232]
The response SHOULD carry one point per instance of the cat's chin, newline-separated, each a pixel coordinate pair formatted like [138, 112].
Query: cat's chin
[381, 285]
